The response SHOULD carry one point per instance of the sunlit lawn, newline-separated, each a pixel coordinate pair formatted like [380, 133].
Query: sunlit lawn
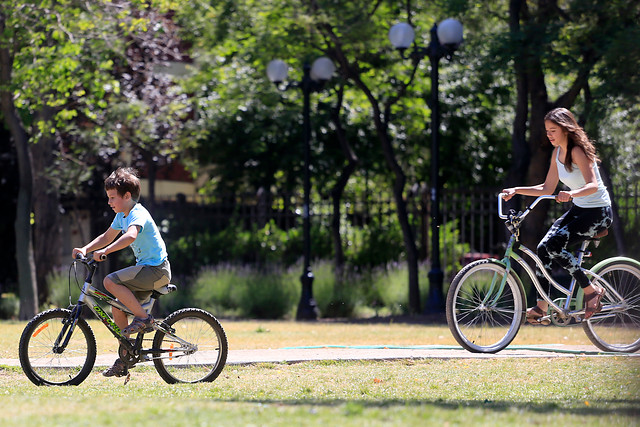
[243, 335]
[573, 390]
[556, 391]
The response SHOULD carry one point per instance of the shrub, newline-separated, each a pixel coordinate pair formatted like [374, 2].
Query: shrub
[375, 245]
[336, 297]
[390, 289]
[9, 306]
[60, 287]
[246, 291]
[232, 290]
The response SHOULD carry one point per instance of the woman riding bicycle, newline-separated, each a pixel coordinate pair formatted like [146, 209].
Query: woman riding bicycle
[574, 163]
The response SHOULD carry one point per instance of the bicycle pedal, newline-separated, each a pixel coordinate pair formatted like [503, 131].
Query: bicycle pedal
[127, 378]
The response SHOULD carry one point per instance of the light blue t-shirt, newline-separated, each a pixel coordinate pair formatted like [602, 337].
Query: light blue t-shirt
[148, 248]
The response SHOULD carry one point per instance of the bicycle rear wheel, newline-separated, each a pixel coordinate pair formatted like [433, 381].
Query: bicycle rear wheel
[617, 327]
[484, 308]
[197, 350]
[43, 358]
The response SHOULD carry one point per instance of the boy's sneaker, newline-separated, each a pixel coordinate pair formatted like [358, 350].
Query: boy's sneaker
[139, 324]
[119, 369]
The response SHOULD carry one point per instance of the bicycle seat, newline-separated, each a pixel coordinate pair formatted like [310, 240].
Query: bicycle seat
[166, 289]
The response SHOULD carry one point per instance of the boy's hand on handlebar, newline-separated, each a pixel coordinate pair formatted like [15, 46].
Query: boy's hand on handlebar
[563, 197]
[77, 251]
[99, 255]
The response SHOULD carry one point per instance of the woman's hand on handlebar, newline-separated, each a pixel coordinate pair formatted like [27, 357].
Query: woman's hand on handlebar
[508, 193]
[563, 197]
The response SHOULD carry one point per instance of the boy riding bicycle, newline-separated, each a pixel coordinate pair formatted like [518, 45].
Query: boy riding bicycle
[133, 284]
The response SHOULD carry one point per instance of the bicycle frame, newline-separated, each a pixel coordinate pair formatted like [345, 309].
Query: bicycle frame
[511, 252]
[88, 296]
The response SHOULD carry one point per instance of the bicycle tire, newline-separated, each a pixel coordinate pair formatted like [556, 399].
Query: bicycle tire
[479, 322]
[201, 329]
[44, 366]
[617, 330]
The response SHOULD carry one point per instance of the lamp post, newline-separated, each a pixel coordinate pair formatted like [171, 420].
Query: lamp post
[313, 79]
[445, 39]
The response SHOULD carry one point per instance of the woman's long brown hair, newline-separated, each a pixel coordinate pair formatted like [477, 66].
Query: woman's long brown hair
[576, 135]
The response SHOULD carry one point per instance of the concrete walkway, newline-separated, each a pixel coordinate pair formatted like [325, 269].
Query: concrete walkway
[303, 354]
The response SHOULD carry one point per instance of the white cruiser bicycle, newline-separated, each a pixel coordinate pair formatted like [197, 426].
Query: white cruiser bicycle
[486, 303]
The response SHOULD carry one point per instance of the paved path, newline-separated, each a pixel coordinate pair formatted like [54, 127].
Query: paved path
[302, 354]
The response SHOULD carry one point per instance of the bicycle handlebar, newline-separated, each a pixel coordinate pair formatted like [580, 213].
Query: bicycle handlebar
[86, 260]
[527, 210]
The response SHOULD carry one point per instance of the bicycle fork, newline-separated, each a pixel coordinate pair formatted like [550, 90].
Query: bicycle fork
[68, 326]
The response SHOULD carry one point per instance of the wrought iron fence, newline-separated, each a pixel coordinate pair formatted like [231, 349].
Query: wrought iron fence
[470, 227]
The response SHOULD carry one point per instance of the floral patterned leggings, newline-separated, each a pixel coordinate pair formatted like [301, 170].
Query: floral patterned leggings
[575, 226]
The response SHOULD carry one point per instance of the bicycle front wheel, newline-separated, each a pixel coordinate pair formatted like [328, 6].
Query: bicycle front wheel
[617, 326]
[485, 307]
[195, 351]
[44, 356]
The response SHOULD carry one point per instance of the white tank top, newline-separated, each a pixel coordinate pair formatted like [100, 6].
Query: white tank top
[574, 180]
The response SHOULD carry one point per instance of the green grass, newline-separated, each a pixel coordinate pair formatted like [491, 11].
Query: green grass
[565, 391]
[246, 335]
[573, 390]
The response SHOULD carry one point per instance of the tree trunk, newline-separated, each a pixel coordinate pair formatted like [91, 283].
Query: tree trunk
[398, 195]
[533, 229]
[47, 213]
[151, 180]
[336, 194]
[531, 87]
[618, 229]
[24, 243]
[519, 147]
[401, 209]
[352, 72]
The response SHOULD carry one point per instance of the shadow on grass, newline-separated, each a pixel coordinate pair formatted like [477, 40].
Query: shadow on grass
[408, 319]
[628, 408]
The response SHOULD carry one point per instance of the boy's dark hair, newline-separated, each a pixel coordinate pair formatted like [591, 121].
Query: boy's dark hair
[123, 180]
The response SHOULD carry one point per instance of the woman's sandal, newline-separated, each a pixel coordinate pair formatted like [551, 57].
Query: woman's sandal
[590, 310]
[535, 316]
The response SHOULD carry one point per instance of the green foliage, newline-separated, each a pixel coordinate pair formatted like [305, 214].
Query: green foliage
[9, 305]
[71, 79]
[60, 287]
[273, 293]
[242, 291]
[452, 247]
[75, 78]
[375, 245]
[235, 244]
[331, 299]
[389, 290]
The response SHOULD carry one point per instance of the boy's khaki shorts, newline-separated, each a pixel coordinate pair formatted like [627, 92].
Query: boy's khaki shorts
[143, 279]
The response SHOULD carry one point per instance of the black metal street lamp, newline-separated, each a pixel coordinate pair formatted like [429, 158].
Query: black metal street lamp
[313, 79]
[445, 39]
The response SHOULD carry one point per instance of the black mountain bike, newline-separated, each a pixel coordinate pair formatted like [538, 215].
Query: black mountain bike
[58, 347]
